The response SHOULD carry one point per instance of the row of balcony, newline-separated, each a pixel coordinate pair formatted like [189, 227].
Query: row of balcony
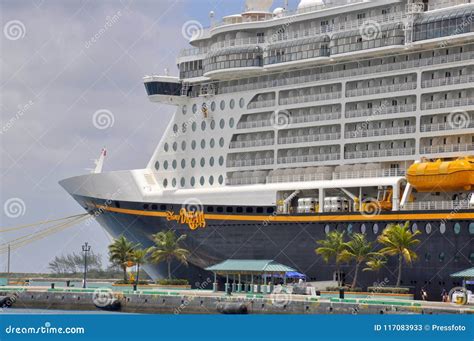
[431, 83]
[448, 103]
[251, 143]
[250, 162]
[261, 104]
[382, 110]
[446, 126]
[364, 132]
[436, 205]
[310, 98]
[309, 158]
[309, 138]
[381, 89]
[379, 153]
[447, 148]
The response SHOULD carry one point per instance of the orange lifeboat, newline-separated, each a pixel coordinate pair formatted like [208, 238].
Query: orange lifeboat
[437, 176]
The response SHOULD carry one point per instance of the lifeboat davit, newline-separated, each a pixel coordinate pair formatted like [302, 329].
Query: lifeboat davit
[437, 176]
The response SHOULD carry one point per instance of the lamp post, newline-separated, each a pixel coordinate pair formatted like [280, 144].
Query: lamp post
[85, 248]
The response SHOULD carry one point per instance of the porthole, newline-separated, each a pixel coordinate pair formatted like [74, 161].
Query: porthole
[222, 105]
[414, 228]
[213, 106]
[222, 123]
[349, 229]
[221, 160]
[471, 228]
[193, 144]
[165, 164]
[184, 127]
[202, 162]
[241, 103]
[249, 209]
[221, 180]
[183, 163]
[195, 108]
[157, 165]
[192, 181]
[211, 180]
[175, 164]
[363, 228]
[427, 257]
[203, 143]
[428, 228]
[184, 109]
[175, 128]
[165, 183]
[175, 146]
[327, 228]
[211, 161]
[203, 125]
[221, 142]
[167, 147]
[182, 182]
[183, 145]
[212, 143]
[471, 257]
[375, 228]
[442, 228]
[193, 126]
[193, 163]
[231, 123]
[173, 183]
[213, 125]
[232, 104]
[457, 228]
[441, 256]
[201, 181]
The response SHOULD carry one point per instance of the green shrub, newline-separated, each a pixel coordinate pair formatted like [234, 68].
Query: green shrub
[131, 283]
[389, 290]
[173, 282]
[347, 289]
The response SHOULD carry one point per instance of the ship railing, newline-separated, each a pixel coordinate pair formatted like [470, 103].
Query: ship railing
[245, 181]
[447, 126]
[261, 104]
[310, 98]
[447, 103]
[381, 89]
[250, 162]
[251, 143]
[298, 177]
[436, 205]
[254, 124]
[447, 81]
[364, 132]
[308, 158]
[395, 109]
[309, 138]
[369, 173]
[389, 67]
[449, 148]
[294, 119]
[379, 153]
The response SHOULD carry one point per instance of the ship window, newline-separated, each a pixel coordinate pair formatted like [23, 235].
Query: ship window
[414, 228]
[175, 128]
[165, 183]
[157, 165]
[270, 210]
[193, 126]
[249, 209]
[212, 143]
[194, 108]
[428, 228]
[193, 163]
[145, 207]
[211, 161]
[221, 179]
[193, 145]
[192, 181]
[203, 143]
[213, 124]
[154, 207]
[210, 208]
[231, 123]
[221, 160]
[175, 146]
[202, 180]
[375, 228]
[239, 209]
[442, 228]
[213, 106]
[229, 209]
[363, 229]
[457, 228]
[184, 127]
[163, 207]
[471, 228]
[327, 228]
[165, 164]
[222, 123]
[182, 182]
[173, 183]
[259, 209]
[427, 257]
[241, 103]
[221, 142]
[183, 163]
[222, 105]
[203, 125]
[174, 164]
[167, 147]
[442, 256]
[184, 109]
[220, 209]
[203, 162]
[211, 180]
[232, 104]
[471, 257]
[183, 145]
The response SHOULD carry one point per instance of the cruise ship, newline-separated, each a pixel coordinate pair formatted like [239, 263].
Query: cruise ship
[345, 115]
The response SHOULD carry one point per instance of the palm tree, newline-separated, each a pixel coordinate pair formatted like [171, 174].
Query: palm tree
[399, 241]
[139, 257]
[375, 262]
[167, 247]
[358, 249]
[120, 253]
[331, 248]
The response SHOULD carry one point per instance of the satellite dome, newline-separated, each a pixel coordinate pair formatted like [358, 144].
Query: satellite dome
[278, 12]
[258, 5]
[310, 3]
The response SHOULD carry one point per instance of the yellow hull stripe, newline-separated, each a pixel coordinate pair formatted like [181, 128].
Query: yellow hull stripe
[308, 218]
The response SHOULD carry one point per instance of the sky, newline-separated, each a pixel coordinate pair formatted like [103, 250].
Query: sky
[64, 64]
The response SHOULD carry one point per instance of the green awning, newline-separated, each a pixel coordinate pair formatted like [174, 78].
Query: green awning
[468, 273]
[250, 265]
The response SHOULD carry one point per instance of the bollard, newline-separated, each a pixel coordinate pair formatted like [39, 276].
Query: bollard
[68, 283]
[215, 287]
[135, 287]
[52, 285]
[227, 288]
[341, 293]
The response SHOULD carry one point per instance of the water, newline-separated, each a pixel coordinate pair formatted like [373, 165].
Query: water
[22, 311]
